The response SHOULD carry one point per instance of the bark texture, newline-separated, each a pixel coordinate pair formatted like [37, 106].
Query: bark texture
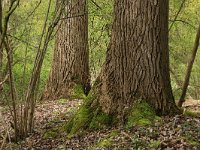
[137, 62]
[71, 54]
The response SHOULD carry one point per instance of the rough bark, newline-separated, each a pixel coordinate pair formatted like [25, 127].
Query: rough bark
[134, 84]
[137, 62]
[71, 54]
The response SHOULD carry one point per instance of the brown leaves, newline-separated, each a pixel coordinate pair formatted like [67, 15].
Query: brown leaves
[179, 132]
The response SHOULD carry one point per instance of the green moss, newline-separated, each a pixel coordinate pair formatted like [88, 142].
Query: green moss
[114, 133]
[105, 143]
[78, 92]
[141, 114]
[50, 135]
[81, 118]
[154, 144]
[100, 119]
[89, 116]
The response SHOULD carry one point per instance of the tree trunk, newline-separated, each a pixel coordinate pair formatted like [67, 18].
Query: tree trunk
[71, 54]
[189, 69]
[134, 82]
[137, 62]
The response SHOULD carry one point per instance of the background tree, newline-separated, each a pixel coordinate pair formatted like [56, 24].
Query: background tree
[137, 63]
[189, 69]
[71, 55]
[181, 39]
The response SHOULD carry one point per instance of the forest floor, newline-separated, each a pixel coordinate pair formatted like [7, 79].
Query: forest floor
[179, 132]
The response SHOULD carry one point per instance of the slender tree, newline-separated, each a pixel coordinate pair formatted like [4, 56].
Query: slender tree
[189, 69]
[71, 54]
[137, 64]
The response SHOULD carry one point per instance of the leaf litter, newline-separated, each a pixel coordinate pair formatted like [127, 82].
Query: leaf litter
[171, 133]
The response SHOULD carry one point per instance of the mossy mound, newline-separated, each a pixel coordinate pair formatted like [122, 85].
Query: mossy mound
[89, 116]
[141, 114]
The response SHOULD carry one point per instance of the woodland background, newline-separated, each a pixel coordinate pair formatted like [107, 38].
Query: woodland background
[25, 29]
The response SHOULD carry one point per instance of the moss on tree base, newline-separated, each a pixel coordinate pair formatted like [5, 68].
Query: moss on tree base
[89, 116]
[141, 114]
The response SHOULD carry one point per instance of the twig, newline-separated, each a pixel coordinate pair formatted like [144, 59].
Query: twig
[175, 18]
[96, 4]
[4, 80]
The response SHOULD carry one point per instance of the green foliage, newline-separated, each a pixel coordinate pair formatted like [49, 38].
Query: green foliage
[190, 140]
[138, 143]
[198, 130]
[141, 114]
[114, 133]
[105, 143]
[155, 144]
[100, 22]
[51, 134]
[108, 140]
[181, 40]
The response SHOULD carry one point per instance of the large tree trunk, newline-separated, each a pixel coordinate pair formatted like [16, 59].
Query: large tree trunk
[71, 54]
[137, 62]
[134, 83]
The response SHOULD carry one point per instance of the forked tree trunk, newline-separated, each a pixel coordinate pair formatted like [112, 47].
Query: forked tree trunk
[71, 54]
[137, 62]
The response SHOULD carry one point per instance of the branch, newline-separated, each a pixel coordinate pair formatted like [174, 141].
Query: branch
[177, 14]
[184, 22]
[96, 4]
[4, 80]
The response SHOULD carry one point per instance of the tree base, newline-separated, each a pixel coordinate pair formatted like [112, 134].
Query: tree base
[91, 117]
